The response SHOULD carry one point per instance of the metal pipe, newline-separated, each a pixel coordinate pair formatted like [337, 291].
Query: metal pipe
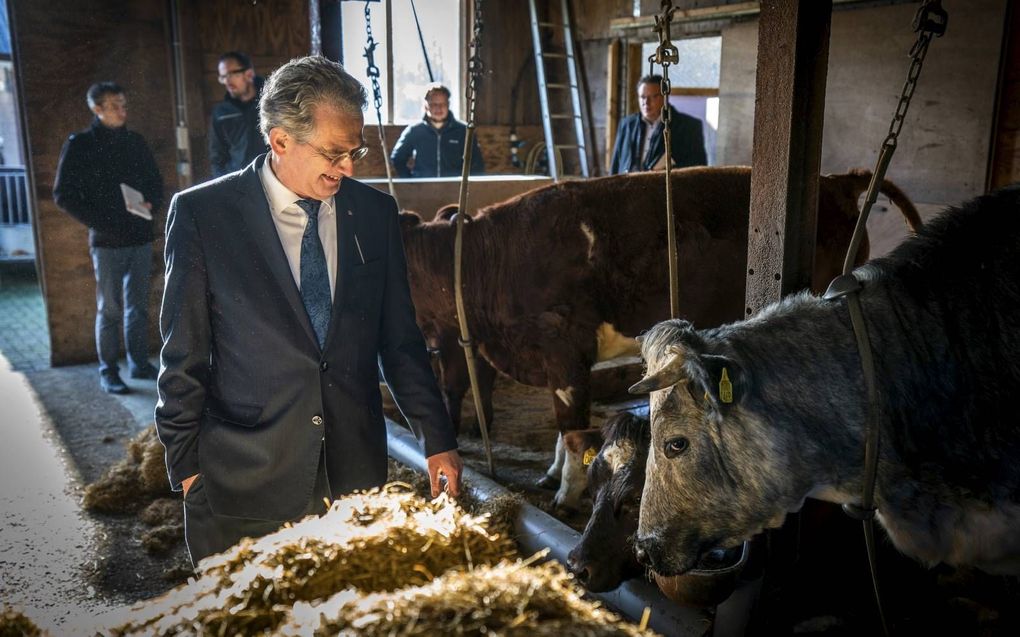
[536, 530]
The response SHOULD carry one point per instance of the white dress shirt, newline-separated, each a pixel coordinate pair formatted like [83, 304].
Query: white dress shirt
[291, 220]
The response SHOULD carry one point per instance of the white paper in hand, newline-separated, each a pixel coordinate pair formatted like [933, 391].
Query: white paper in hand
[134, 201]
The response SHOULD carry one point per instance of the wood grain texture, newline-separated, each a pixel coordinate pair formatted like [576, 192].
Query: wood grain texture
[63, 47]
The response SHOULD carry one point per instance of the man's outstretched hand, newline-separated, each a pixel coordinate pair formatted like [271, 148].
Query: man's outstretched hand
[449, 465]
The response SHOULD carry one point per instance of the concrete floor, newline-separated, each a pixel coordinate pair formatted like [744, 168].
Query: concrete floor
[45, 537]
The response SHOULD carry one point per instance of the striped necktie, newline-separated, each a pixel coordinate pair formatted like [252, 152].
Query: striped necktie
[314, 274]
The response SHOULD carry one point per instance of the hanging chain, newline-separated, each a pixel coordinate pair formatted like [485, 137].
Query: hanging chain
[929, 22]
[665, 55]
[475, 64]
[373, 75]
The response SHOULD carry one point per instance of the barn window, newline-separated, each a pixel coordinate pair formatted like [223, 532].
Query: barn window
[441, 29]
[694, 82]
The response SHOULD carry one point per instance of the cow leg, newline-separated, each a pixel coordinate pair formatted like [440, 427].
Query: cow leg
[571, 403]
[454, 380]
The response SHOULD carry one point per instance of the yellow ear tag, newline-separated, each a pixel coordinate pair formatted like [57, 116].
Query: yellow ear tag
[589, 455]
[725, 387]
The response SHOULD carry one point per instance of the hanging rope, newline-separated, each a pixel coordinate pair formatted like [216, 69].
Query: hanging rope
[930, 21]
[665, 55]
[373, 75]
[421, 38]
[475, 66]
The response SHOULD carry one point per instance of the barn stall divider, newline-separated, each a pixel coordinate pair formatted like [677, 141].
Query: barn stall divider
[537, 530]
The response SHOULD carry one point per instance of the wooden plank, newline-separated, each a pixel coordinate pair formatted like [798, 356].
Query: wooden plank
[613, 98]
[1004, 159]
[793, 52]
[637, 66]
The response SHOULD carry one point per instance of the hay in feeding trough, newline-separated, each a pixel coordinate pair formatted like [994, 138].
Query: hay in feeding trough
[511, 598]
[382, 540]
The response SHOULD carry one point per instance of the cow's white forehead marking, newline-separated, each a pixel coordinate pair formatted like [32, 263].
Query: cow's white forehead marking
[618, 454]
[612, 343]
[589, 234]
[566, 396]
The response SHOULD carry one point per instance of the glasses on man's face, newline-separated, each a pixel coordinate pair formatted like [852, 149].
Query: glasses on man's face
[334, 159]
[223, 78]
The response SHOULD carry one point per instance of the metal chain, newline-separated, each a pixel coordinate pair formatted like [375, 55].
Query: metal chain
[665, 55]
[475, 64]
[373, 75]
[930, 22]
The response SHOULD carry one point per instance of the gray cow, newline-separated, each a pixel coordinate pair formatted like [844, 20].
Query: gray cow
[943, 312]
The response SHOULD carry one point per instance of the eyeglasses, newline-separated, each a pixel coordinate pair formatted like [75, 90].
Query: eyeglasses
[355, 155]
[223, 78]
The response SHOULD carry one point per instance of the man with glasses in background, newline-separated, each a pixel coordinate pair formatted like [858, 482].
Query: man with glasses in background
[234, 137]
[435, 145]
[286, 292]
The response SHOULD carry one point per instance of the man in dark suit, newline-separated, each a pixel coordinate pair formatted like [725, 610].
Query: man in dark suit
[639, 141]
[286, 291]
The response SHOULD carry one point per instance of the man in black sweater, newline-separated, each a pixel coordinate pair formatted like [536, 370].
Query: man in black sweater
[95, 165]
[234, 137]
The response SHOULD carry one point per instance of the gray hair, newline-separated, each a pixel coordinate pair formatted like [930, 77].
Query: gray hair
[294, 90]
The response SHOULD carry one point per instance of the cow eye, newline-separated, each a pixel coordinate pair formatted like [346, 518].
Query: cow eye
[675, 446]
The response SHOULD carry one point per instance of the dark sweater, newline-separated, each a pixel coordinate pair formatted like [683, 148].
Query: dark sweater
[93, 164]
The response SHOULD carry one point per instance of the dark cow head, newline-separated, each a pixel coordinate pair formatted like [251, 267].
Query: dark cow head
[717, 472]
[605, 555]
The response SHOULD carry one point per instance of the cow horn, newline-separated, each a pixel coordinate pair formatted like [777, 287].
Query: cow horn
[670, 374]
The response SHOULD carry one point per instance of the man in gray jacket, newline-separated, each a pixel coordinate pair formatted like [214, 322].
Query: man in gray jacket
[234, 137]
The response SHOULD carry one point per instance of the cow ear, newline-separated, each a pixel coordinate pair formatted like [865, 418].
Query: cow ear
[669, 374]
[724, 382]
[409, 219]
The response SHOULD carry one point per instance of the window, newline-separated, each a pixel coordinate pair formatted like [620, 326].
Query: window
[440, 28]
[694, 82]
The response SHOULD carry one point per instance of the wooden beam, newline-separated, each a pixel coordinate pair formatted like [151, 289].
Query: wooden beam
[636, 67]
[793, 53]
[612, 98]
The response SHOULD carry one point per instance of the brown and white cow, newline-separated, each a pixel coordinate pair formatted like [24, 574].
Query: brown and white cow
[563, 276]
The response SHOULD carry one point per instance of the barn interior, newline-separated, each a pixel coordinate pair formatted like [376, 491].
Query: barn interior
[795, 89]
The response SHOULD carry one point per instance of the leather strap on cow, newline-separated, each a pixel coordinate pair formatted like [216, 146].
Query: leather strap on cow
[475, 71]
[930, 21]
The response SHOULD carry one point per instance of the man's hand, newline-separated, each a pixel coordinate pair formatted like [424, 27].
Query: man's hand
[186, 483]
[448, 464]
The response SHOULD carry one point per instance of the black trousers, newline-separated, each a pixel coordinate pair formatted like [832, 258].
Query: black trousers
[207, 533]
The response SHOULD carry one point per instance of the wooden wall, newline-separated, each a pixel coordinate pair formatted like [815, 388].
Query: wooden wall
[62, 47]
[270, 32]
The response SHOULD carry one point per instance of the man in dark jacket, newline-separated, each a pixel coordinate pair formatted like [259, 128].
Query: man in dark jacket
[94, 166]
[639, 141]
[436, 143]
[234, 137]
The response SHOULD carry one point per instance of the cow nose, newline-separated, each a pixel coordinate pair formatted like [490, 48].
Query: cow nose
[579, 567]
[642, 550]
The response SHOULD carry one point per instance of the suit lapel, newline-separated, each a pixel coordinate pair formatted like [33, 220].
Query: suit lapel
[346, 215]
[258, 221]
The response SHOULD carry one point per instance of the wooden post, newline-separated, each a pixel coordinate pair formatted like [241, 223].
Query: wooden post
[793, 53]
[637, 66]
[612, 98]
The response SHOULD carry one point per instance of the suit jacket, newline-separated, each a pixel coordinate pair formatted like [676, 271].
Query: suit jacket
[686, 138]
[246, 397]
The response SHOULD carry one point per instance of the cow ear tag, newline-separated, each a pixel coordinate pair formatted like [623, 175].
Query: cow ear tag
[725, 387]
[589, 455]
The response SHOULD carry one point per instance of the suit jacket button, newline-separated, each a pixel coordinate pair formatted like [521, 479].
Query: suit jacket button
[324, 366]
[316, 420]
